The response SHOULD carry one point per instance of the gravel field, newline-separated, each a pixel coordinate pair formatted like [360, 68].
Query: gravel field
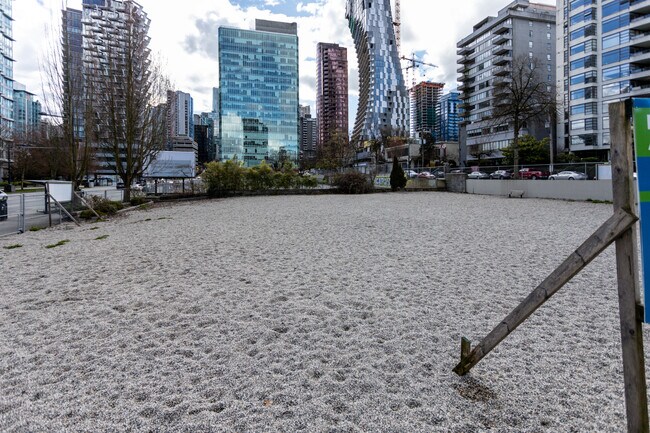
[309, 313]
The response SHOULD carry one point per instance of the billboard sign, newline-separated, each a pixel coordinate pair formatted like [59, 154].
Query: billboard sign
[172, 165]
[641, 119]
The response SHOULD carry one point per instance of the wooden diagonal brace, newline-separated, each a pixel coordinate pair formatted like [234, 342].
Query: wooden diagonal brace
[612, 229]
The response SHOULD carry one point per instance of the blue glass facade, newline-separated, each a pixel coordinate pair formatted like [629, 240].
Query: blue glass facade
[258, 82]
[448, 117]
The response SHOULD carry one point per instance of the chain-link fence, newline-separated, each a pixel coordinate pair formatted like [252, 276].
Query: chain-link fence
[29, 212]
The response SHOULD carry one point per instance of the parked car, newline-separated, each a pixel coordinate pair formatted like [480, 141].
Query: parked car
[532, 173]
[425, 175]
[411, 174]
[120, 185]
[478, 175]
[568, 175]
[501, 174]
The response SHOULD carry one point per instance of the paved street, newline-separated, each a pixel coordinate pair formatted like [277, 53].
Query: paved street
[35, 215]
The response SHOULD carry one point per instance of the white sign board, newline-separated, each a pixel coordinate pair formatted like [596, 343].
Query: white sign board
[61, 191]
[173, 165]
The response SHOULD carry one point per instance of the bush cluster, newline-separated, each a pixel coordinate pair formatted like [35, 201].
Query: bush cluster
[223, 177]
[352, 182]
[102, 206]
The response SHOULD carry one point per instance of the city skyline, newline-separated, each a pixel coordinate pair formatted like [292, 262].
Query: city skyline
[432, 37]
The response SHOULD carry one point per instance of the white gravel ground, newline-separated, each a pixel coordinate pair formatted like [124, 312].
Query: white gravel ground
[323, 314]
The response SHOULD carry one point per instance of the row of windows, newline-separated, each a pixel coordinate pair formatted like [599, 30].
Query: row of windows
[584, 62]
[619, 38]
[617, 55]
[584, 47]
[585, 77]
[616, 23]
[615, 6]
[575, 4]
[588, 30]
[587, 108]
[589, 123]
[586, 15]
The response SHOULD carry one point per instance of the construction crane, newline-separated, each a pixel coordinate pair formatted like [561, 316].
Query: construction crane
[398, 26]
[415, 63]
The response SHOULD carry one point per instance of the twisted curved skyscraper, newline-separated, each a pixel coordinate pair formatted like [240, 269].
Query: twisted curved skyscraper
[383, 99]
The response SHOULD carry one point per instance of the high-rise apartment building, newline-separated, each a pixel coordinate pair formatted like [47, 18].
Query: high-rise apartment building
[27, 110]
[521, 32]
[331, 91]
[423, 114]
[73, 101]
[115, 41]
[448, 117]
[7, 82]
[383, 99]
[258, 85]
[308, 136]
[602, 57]
[180, 114]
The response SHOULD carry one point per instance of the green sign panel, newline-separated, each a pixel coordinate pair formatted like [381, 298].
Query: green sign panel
[642, 148]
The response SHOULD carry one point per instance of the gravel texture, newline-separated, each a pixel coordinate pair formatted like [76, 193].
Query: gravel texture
[323, 314]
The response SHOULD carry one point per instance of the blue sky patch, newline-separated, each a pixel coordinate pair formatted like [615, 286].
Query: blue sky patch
[285, 7]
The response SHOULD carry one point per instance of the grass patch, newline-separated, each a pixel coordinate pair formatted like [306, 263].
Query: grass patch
[148, 219]
[164, 218]
[36, 229]
[58, 244]
[13, 247]
[101, 238]
[94, 228]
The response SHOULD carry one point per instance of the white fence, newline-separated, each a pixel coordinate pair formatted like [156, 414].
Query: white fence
[555, 189]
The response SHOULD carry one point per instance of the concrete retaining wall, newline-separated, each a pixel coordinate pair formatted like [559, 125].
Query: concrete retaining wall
[456, 182]
[557, 189]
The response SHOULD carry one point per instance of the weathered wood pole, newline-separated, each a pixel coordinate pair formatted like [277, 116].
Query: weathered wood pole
[606, 235]
[629, 296]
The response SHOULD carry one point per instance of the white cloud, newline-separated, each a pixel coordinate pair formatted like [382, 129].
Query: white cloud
[186, 37]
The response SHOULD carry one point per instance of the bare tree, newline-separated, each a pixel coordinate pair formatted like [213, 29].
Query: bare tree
[67, 98]
[521, 98]
[129, 88]
[336, 152]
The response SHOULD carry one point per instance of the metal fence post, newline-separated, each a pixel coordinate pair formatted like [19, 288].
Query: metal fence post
[105, 194]
[21, 215]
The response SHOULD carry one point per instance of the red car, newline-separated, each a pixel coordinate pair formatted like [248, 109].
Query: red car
[532, 173]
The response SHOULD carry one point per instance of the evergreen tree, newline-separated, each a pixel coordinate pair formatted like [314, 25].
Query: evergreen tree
[397, 176]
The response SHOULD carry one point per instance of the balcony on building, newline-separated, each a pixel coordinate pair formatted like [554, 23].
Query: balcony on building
[503, 37]
[462, 69]
[466, 51]
[640, 6]
[502, 71]
[640, 57]
[501, 49]
[502, 60]
[505, 26]
[640, 22]
[640, 39]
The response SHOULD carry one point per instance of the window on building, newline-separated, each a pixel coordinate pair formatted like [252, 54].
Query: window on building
[530, 33]
[530, 44]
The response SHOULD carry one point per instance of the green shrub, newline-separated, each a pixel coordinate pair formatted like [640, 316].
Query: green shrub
[307, 181]
[352, 182]
[101, 238]
[221, 177]
[397, 176]
[36, 229]
[12, 247]
[103, 206]
[87, 214]
[138, 201]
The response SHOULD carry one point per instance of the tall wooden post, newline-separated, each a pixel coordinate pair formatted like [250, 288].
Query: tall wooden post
[636, 399]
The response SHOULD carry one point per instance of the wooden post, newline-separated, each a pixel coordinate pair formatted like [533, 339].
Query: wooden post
[636, 399]
[606, 235]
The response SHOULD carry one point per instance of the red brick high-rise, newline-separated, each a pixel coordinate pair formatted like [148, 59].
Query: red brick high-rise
[332, 91]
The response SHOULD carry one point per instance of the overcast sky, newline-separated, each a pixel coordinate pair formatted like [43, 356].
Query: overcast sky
[184, 34]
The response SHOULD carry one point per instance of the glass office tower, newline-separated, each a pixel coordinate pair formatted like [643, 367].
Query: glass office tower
[258, 82]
